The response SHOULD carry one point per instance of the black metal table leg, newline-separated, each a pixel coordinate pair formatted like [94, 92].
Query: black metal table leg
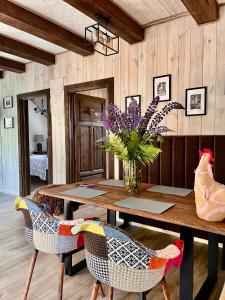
[223, 254]
[71, 269]
[68, 210]
[126, 221]
[213, 256]
[211, 279]
[186, 270]
[111, 217]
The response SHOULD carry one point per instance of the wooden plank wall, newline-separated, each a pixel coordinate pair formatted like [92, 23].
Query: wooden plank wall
[193, 55]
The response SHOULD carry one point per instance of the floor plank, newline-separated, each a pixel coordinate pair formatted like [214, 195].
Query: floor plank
[15, 255]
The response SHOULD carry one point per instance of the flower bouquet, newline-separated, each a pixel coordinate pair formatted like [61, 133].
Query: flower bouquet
[133, 139]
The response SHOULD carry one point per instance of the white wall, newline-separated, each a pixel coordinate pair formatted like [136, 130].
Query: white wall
[37, 125]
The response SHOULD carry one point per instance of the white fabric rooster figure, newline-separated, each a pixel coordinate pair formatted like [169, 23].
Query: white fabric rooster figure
[209, 194]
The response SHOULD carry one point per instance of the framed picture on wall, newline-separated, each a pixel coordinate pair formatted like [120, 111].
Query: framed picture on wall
[8, 102]
[162, 87]
[128, 100]
[195, 101]
[8, 122]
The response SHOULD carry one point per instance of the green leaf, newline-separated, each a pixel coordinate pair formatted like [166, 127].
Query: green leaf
[143, 151]
[147, 154]
[133, 145]
[116, 146]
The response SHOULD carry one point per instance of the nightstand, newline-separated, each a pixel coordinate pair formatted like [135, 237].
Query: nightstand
[40, 153]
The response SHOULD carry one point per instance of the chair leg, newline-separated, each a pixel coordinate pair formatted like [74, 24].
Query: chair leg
[100, 291]
[30, 273]
[95, 290]
[111, 290]
[61, 276]
[165, 289]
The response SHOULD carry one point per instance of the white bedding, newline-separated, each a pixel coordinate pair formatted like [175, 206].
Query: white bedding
[38, 166]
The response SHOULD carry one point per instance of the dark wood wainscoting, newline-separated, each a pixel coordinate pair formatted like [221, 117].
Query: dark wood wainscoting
[23, 133]
[179, 159]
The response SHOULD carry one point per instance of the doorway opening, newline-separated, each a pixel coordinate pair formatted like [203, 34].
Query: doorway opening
[84, 158]
[35, 140]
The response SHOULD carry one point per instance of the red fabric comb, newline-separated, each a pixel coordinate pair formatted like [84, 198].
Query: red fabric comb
[211, 159]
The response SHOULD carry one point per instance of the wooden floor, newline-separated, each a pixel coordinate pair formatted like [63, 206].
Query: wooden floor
[15, 255]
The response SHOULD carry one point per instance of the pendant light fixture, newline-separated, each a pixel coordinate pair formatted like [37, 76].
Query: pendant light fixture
[104, 40]
[40, 108]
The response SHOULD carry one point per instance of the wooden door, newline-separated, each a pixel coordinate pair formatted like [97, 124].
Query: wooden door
[89, 157]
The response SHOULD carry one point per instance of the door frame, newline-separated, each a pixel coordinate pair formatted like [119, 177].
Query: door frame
[23, 139]
[70, 90]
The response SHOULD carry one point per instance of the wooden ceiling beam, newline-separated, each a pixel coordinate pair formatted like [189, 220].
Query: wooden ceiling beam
[20, 49]
[120, 23]
[27, 21]
[11, 65]
[203, 11]
[1, 74]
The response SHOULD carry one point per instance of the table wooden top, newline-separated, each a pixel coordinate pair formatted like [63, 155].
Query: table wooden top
[182, 213]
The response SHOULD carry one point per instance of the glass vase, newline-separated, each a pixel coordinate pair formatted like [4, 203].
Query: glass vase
[131, 176]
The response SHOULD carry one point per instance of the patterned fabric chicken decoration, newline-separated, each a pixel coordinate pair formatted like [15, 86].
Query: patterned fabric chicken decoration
[209, 194]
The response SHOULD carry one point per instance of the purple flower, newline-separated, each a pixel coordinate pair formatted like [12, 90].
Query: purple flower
[148, 115]
[112, 120]
[123, 122]
[116, 121]
[131, 135]
[119, 123]
[165, 110]
[157, 130]
[133, 115]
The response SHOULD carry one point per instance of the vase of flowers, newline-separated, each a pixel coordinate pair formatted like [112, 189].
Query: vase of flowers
[133, 139]
[131, 176]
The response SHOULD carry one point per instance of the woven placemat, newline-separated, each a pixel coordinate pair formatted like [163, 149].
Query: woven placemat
[152, 206]
[84, 192]
[170, 190]
[112, 182]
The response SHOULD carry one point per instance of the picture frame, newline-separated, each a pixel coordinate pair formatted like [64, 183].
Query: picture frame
[128, 100]
[162, 87]
[195, 101]
[8, 122]
[8, 102]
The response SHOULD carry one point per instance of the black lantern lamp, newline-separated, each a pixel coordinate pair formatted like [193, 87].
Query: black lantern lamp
[104, 40]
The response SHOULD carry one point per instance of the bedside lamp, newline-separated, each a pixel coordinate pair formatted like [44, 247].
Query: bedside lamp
[39, 139]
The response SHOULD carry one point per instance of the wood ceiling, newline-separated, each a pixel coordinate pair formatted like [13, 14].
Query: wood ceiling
[32, 30]
[146, 12]
[120, 23]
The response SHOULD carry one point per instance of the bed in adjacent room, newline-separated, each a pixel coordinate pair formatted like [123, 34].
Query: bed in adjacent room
[39, 166]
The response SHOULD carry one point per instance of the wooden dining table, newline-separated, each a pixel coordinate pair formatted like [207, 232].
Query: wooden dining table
[181, 218]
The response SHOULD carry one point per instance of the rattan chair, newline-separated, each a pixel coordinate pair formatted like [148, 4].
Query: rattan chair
[117, 260]
[50, 235]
